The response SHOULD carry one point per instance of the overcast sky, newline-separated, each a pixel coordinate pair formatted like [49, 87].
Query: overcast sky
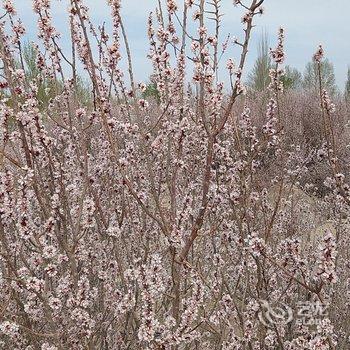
[307, 23]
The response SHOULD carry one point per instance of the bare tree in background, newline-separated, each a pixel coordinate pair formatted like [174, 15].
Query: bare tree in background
[259, 77]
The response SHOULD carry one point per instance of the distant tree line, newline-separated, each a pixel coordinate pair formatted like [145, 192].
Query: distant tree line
[258, 78]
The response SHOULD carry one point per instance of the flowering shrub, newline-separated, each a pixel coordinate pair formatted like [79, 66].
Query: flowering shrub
[137, 223]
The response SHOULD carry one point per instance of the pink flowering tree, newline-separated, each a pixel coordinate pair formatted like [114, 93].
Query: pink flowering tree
[134, 223]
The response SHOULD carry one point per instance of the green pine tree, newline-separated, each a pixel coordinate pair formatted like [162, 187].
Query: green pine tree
[347, 85]
[292, 78]
[311, 77]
